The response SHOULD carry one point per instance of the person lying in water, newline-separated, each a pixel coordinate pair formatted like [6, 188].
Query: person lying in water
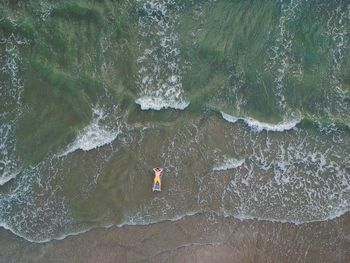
[157, 179]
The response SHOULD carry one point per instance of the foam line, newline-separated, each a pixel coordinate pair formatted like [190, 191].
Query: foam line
[158, 103]
[5, 179]
[260, 126]
[337, 214]
[227, 164]
[92, 136]
[178, 218]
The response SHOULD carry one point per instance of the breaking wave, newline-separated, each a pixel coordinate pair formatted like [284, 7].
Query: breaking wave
[158, 103]
[7, 177]
[94, 135]
[260, 126]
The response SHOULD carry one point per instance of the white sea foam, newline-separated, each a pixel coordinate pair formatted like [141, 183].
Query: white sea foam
[339, 46]
[6, 177]
[93, 135]
[46, 10]
[130, 222]
[31, 208]
[293, 180]
[282, 61]
[61, 237]
[141, 221]
[159, 77]
[259, 126]
[228, 117]
[333, 216]
[158, 103]
[228, 163]
[11, 89]
[19, 234]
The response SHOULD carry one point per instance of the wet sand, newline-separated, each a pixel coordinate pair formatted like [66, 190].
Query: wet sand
[198, 238]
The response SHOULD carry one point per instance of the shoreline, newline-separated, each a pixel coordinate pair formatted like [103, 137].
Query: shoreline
[195, 238]
[176, 219]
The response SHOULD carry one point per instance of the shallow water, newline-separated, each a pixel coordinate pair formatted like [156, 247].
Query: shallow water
[245, 105]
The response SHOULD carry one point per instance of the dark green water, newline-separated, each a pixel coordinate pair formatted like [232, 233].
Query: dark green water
[244, 103]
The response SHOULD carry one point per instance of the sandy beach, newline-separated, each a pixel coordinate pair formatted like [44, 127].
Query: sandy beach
[198, 238]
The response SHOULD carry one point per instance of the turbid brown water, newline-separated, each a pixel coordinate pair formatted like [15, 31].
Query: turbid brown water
[198, 238]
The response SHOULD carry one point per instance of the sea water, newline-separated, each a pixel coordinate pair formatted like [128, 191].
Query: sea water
[244, 104]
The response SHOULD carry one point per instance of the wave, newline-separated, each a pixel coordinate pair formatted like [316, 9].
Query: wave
[6, 178]
[158, 103]
[260, 126]
[93, 135]
[228, 163]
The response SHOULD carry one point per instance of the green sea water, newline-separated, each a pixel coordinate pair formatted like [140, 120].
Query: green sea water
[244, 103]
